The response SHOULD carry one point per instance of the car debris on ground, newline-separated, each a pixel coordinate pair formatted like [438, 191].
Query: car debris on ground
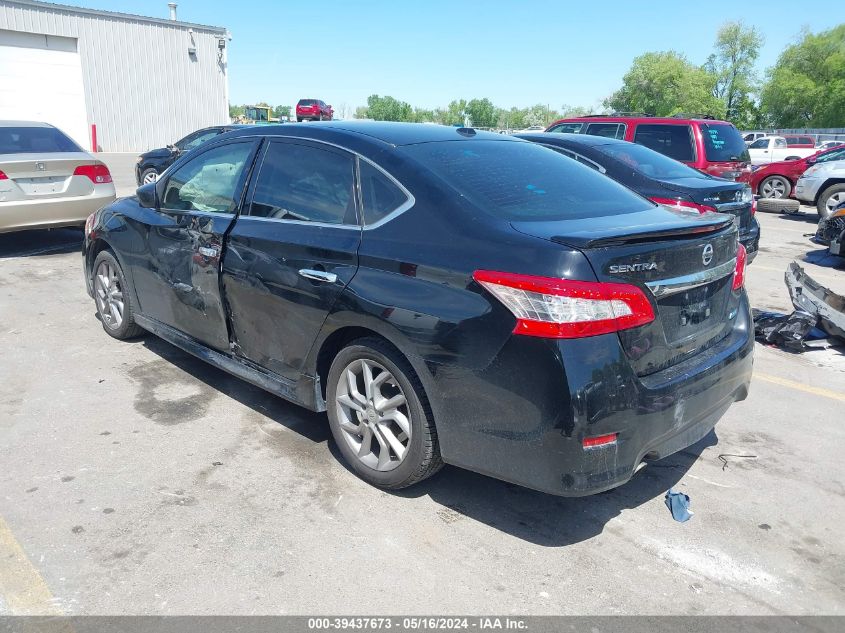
[819, 316]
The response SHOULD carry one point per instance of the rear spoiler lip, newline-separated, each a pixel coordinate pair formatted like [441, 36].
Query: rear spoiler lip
[685, 232]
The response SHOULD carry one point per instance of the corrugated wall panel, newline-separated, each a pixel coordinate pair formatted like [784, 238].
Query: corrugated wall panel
[142, 89]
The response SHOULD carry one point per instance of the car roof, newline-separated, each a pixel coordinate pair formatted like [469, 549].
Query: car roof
[586, 140]
[621, 118]
[395, 134]
[24, 124]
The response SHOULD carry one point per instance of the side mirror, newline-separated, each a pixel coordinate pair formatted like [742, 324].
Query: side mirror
[147, 196]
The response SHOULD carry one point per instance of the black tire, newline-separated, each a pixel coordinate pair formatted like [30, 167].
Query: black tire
[422, 457]
[777, 186]
[127, 328]
[147, 172]
[299, 119]
[320, 117]
[777, 205]
[792, 158]
[824, 196]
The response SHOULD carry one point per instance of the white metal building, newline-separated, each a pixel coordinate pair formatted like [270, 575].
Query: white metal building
[143, 82]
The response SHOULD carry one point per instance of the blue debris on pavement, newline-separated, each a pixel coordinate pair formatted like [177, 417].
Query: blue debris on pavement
[678, 504]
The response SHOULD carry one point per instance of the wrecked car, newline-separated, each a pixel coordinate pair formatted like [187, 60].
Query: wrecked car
[445, 295]
[831, 231]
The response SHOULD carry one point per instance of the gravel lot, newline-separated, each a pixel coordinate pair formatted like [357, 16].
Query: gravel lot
[137, 480]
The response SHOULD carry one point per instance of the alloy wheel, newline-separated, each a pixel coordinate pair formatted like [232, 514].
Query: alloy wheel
[373, 414]
[150, 177]
[109, 295]
[834, 201]
[773, 188]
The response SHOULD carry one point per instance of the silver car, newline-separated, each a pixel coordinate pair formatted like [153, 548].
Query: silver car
[46, 179]
[823, 185]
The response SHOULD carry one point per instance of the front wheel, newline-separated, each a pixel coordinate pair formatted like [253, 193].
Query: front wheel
[114, 305]
[775, 187]
[380, 417]
[150, 174]
[829, 199]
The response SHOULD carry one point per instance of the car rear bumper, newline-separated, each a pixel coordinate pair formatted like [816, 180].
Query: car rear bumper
[806, 189]
[750, 239]
[19, 215]
[523, 419]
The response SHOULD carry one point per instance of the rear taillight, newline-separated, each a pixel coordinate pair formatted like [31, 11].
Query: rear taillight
[561, 308]
[89, 224]
[599, 440]
[3, 176]
[739, 272]
[684, 204]
[98, 174]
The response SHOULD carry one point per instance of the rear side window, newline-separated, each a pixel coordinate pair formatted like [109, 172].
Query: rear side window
[760, 143]
[210, 181]
[648, 162]
[566, 128]
[300, 182]
[722, 143]
[674, 141]
[523, 181]
[380, 194]
[609, 130]
[34, 140]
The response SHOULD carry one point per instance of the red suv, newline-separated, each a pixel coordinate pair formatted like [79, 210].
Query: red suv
[313, 110]
[714, 147]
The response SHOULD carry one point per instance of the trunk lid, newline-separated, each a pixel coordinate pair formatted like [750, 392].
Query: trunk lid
[726, 197]
[41, 176]
[683, 262]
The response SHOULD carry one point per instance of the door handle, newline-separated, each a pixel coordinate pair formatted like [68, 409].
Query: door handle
[318, 275]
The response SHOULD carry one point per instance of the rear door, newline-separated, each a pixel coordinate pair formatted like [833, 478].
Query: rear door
[292, 252]
[180, 285]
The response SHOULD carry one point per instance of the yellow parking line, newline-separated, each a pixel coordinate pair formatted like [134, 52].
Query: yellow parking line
[818, 391]
[22, 588]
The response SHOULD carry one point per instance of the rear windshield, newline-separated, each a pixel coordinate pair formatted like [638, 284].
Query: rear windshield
[524, 181]
[34, 140]
[648, 162]
[722, 142]
[307, 102]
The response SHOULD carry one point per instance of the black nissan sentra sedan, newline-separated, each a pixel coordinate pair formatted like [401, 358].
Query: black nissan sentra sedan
[661, 179]
[446, 295]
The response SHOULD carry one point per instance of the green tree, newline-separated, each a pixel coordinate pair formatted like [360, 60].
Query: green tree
[665, 83]
[737, 49]
[806, 87]
[455, 112]
[567, 111]
[235, 111]
[388, 109]
[481, 112]
[281, 111]
[361, 112]
[421, 115]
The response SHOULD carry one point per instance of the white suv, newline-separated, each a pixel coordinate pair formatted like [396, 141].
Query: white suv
[823, 185]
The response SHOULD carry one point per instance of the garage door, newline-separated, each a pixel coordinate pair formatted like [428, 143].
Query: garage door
[41, 80]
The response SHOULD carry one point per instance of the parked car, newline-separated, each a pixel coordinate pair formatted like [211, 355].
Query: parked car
[313, 110]
[445, 295]
[750, 137]
[771, 149]
[661, 179]
[799, 141]
[150, 165]
[823, 185]
[777, 180]
[531, 129]
[714, 147]
[46, 179]
[823, 145]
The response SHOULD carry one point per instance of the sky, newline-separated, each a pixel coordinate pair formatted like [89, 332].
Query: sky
[429, 53]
